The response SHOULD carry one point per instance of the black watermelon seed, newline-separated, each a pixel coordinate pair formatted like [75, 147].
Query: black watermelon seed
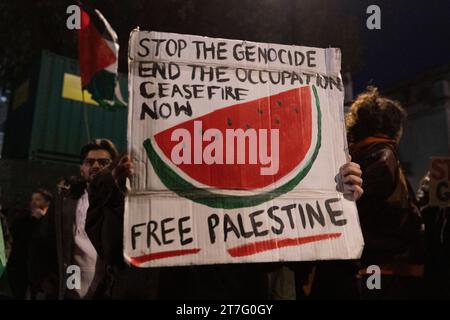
[247, 126]
[260, 111]
[279, 103]
[277, 120]
[229, 122]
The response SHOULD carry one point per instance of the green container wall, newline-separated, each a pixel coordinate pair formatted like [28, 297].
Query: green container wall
[58, 128]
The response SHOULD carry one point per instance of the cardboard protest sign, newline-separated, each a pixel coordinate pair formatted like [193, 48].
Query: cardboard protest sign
[236, 147]
[440, 182]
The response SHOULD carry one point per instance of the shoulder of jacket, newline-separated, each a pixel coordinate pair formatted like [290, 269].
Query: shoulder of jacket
[381, 151]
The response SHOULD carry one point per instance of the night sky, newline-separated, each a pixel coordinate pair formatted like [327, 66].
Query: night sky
[414, 37]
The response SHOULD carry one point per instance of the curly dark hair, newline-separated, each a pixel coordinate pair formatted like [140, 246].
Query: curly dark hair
[372, 114]
[99, 144]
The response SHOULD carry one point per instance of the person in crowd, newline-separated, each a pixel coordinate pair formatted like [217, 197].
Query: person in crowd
[389, 215]
[104, 226]
[31, 267]
[77, 256]
[437, 243]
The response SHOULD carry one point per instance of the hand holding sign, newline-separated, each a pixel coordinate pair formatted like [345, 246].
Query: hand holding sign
[349, 180]
[123, 170]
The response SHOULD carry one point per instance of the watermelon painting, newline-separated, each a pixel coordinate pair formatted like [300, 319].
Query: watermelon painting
[236, 149]
[296, 116]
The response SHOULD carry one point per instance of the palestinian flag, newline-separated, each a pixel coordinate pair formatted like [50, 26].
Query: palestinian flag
[98, 52]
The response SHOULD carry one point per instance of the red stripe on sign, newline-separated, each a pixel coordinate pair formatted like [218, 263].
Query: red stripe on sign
[137, 261]
[257, 247]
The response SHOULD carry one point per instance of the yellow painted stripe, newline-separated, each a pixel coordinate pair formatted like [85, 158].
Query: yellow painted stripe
[72, 89]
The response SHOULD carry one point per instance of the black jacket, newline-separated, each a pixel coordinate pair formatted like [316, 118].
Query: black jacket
[33, 256]
[104, 226]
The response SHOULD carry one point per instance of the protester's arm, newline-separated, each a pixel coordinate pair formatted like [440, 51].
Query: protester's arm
[122, 171]
[104, 221]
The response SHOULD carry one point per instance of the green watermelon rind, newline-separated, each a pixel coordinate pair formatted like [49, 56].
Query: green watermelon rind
[185, 189]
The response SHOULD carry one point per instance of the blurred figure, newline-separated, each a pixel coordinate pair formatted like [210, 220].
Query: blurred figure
[32, 265]
[388, 211]
[437, 236]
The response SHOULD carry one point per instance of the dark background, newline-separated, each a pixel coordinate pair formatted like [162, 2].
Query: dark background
[414, 35]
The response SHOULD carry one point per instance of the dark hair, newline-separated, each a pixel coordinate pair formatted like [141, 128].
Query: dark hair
[47, 195]
[372, 114]
[99, 144]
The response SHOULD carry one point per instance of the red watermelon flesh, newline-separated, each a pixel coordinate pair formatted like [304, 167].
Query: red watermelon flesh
[289, 111]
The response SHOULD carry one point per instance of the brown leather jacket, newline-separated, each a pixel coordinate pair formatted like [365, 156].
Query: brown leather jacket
[388, 211]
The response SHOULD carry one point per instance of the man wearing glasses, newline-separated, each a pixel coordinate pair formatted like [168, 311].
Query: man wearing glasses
[81, 272]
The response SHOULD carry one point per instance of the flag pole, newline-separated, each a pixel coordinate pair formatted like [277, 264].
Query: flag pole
[86, 121]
